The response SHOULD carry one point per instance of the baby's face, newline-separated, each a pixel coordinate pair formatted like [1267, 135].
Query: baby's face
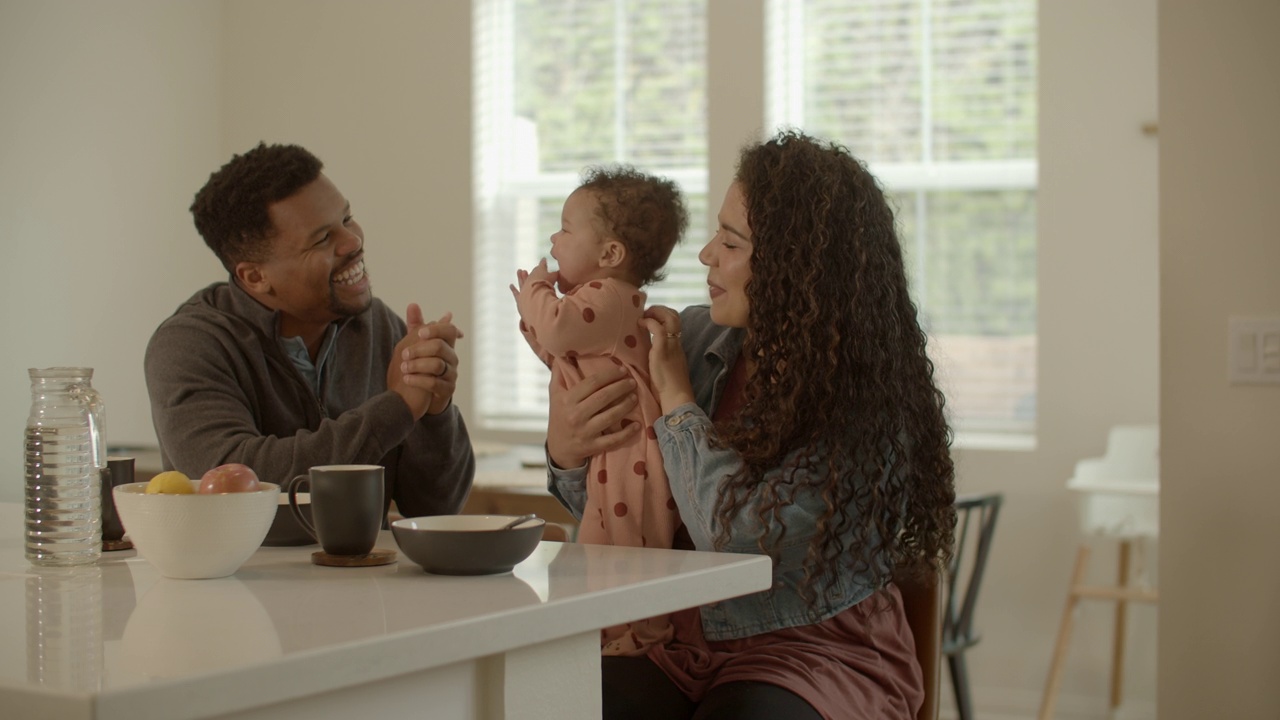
[578, 246]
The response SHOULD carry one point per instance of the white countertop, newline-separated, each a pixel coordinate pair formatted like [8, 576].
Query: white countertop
[117, 641]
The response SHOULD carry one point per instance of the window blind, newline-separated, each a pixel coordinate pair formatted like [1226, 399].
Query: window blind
[938, 97]
[561, 85]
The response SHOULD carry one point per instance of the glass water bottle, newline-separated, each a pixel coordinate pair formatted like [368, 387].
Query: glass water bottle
[65, 450]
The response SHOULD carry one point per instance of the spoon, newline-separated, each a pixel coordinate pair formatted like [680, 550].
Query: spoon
[519, 521]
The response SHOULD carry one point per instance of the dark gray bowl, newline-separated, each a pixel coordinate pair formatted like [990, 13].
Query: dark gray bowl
[466, 544]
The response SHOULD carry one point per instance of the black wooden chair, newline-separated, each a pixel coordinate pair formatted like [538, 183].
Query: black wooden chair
[975, 525]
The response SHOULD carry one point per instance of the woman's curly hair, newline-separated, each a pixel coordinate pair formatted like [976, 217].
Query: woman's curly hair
[841, 377]
[646, 213]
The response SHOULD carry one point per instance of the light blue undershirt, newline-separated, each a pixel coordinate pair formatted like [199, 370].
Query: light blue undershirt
[296, 349]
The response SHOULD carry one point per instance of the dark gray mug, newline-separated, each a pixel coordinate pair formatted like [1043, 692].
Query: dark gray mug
[346, 507]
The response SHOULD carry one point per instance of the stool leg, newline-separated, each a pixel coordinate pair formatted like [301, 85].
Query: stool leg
[960, 684]
[1117, 647]
[1064, 637]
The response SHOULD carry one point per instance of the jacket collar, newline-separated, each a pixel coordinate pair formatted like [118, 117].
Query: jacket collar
[727, 346]
[242, 305]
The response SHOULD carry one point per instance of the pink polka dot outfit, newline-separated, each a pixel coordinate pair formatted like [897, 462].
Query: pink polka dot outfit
[591, 328]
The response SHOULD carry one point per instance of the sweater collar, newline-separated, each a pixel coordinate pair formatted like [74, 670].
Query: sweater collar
[266, 320]
[244, 306]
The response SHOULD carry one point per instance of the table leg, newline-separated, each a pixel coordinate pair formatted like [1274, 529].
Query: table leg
[558, 679]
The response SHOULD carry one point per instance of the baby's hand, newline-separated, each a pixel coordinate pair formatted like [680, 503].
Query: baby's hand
[538, 273]
[522, 276]
[541, 273]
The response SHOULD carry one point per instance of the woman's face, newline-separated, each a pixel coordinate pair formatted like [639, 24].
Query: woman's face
[728, 261]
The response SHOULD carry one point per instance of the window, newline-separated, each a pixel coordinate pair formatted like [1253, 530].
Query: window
[560, 85]
[939, 98]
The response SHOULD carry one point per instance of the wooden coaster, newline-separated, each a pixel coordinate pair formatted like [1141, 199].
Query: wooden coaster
[377, 557]
[122, 544]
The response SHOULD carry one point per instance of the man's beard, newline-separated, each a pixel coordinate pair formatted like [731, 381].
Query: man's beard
[337, 307]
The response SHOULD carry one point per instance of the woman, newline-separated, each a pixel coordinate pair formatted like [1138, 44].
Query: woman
[800, 419]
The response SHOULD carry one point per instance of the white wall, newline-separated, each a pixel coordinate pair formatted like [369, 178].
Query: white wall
[380, 90]
[1219, 257]
[109, 120]
[1098, 362]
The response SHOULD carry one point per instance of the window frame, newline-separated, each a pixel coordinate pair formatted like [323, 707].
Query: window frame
[516, 400]
[784, 104]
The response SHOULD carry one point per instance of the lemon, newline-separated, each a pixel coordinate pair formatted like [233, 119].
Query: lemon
[170, 482]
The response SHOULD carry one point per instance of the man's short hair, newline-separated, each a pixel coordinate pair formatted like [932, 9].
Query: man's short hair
[231, 209]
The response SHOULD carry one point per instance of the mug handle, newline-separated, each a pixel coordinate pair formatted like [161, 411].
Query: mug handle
[294, 485]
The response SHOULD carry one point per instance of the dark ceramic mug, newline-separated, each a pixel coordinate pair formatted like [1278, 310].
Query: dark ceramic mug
[346, 507]
[119, 471]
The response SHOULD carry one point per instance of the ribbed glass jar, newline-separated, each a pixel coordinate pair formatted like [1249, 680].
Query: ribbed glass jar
[65, 450]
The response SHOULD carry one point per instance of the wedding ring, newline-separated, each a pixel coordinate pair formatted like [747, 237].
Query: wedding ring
[673, 335]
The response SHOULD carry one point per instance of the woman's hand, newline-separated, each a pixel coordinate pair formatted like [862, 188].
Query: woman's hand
[580, 418]
[668, 368]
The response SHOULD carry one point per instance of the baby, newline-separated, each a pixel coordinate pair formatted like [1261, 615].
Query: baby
[617, 230]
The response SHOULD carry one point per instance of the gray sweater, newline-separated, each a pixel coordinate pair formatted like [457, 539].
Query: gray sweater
[223, 390]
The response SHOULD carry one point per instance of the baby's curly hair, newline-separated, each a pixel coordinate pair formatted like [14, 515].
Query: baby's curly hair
[231, 209]
[644, 212]
[843, 379]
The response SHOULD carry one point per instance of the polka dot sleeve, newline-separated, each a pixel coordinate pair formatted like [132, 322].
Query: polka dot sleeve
[595, 318]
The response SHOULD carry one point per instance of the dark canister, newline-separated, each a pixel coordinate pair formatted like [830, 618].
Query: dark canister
[119, 471]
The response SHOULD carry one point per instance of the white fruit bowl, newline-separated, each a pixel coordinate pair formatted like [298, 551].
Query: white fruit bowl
[196, 536]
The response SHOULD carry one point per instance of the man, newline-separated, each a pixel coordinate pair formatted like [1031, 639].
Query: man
[293, 362]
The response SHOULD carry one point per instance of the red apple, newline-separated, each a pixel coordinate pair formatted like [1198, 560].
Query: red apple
[232, 477]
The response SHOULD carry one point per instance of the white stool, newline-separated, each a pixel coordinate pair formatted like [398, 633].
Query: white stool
[1120, 499]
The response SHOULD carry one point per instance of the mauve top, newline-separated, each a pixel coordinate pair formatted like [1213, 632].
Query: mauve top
[858, 664]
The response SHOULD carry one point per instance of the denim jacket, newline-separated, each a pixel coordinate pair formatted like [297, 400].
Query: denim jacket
[695, 470]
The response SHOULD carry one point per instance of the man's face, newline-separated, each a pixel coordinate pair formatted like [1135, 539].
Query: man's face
[315, 271]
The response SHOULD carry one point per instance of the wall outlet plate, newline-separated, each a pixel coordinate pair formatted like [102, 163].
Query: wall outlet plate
[1253, 350]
